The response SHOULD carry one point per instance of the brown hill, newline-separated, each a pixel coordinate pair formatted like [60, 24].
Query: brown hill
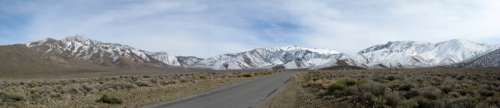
[19, 61]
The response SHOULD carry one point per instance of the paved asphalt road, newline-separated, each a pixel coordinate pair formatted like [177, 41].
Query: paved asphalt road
[245, 95]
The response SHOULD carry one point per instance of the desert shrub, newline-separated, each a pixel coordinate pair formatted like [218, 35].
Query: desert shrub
[71, 90]
[320, 84]
[164, 83]
[461, 77]
[86, 92]
[153, 81]
[263, 73]
[361, 93]
[390, 78]
[410, 94]
[349, 82]
[183, 80]
[426, 103]
[143, 84]
[342, 87]
[411, 103]
[5, 97]
[462, 103]
[146, 76]
[119, 86]
[466, 92]
[375, 88]
[88, 89]
[247, 75]
[375, 102]
[446, 89]
[430, 93]
[486, 93]
[109, 100]
[335, 89]
[203, 77]
[379, 79]
[405, 87]
[392, 99]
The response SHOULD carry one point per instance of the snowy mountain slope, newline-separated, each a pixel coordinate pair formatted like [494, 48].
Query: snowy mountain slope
[411, 54]
[492, 59]
[165, 58]
[290, 57]
[395, 54]
[187, 61]
[80, 48]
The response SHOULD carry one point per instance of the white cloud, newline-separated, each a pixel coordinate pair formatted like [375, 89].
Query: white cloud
[207, 28]
[351, 26]
[179, 27]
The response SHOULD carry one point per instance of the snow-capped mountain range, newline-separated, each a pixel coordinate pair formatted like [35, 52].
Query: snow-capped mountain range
[291, 57]
[491, 59]
[81, 48]
[412, 54]
[396, 54]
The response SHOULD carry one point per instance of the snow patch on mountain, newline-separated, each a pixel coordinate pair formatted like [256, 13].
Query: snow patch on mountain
[491, 59]
[165, 58]
[82, 48]
[412, 54]
[291, 57]
[394, 54]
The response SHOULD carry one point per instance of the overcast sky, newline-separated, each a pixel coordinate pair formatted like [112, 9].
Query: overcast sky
[210, 27]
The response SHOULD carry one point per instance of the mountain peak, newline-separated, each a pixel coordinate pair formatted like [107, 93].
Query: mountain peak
[405, 43]
[459, 41]
[395, 46]
[462, 43]
[79, 38]
[292, 57]
[393, 54]
[317, 50]
[82, 48]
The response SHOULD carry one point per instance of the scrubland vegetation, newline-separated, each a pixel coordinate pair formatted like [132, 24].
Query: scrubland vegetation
[125, 91]
[410, 88]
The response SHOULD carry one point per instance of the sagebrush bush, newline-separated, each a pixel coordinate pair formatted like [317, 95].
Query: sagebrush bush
[407, 88]
[109, 100]
[129, 90]
[9, 97]
[247, 75]
[431, 93]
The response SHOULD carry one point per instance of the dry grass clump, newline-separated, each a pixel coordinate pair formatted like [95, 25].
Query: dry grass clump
[408, 88]
[118, 91]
